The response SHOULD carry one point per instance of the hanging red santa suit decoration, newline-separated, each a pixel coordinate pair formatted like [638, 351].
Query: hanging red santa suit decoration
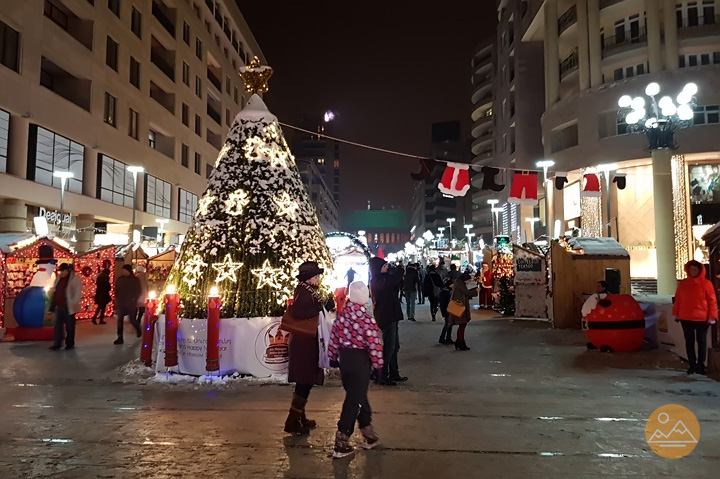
[591, 186]
[455, 180]
[524, 188]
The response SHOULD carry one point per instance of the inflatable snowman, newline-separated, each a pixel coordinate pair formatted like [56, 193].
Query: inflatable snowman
[32, 302]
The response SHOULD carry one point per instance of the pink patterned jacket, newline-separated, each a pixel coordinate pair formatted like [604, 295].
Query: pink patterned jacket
[354, 328]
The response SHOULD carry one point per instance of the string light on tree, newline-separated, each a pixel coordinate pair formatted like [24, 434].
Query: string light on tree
[236, 202]
[192, 270]
[286, 206]
[227, 269]
[268, 276]
[204, 204]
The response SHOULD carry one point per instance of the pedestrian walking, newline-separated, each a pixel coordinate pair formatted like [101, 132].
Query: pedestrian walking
[453, 274]
[431, 287]
[102, 294]
[355, 347]
[303, 369]
[444, 300]
[65, 302]
[422, 272]
[695, 309]
[462, 294]
[350, 275]
[387, 310]
[142, 276]
[411, 281]
[127, 292]
[442, 269]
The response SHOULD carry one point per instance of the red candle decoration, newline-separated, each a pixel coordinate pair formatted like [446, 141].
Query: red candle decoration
[151, 304]
[213, 330]
[171, 300]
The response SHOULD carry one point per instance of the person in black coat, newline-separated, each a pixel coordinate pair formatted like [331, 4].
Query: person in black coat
[102, 294]
[384, 284]
[410, 286]
[303, 369]
[431, 286]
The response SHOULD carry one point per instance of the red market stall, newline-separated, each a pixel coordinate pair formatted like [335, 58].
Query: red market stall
[20, 264]
[88, 266]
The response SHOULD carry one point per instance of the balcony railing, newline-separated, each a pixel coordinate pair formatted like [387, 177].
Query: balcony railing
[162, 65]
[701, 26]
[617, 43]
[569, 64]
[608, 3]
[163, 19]
[567, 19]
[214, 80]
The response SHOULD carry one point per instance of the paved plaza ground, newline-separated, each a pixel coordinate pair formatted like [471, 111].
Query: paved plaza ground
[525, 402]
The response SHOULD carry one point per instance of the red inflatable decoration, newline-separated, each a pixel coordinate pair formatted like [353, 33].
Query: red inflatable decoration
[616, 324]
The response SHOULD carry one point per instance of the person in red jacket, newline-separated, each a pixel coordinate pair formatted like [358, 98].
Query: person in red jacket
[695, 309]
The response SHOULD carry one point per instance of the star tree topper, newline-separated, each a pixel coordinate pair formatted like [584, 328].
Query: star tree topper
[227, 269]
[255, 76]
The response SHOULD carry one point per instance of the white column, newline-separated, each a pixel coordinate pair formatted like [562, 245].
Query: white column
[86, 233]
[664, 219]
[18, 146]
[583, 45]
[13, 216]
[90, 172]
[595, 47]
[671, 35]
[552, 67]
[652, 8]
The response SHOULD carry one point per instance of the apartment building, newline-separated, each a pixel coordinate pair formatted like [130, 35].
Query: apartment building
[95, 86]
[596, 51]
[320, 195]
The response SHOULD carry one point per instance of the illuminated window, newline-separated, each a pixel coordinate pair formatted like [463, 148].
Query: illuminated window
[157, 196]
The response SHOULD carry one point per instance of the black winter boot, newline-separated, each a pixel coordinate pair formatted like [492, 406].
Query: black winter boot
[294, 422]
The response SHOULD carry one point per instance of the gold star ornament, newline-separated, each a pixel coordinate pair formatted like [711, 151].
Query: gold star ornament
[256, 76]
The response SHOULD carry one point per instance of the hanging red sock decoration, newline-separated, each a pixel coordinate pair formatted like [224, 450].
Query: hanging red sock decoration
[591, 188]
[455, 180]
[524, 188]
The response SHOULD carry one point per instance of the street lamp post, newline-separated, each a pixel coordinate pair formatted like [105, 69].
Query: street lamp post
[450, 222]
[134, 170]
[659, 120]
[492, 203]
[63, 175]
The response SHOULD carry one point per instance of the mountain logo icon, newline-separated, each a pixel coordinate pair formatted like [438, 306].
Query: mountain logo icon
[672, 431]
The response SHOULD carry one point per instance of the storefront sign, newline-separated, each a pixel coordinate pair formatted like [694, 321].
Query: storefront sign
[528, 264]
[53, 217]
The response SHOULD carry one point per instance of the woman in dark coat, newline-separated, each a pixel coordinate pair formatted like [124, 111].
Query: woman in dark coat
[463, 294]
[102, 294]
[432, 284]
[304, 371]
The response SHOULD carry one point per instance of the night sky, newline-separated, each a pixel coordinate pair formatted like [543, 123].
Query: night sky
[387, 69]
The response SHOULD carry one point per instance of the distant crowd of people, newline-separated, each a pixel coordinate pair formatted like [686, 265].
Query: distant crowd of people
[130, 291]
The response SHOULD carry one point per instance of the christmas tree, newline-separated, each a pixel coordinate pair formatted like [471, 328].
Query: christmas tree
[254, 225]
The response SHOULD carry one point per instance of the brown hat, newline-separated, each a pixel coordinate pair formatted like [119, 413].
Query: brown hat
[309, 269]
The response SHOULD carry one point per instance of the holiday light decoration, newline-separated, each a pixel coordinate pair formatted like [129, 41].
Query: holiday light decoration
[256, 76]
[285, 205]
[237, 200]
[3, 279]
[227, 269]
[87, 267]
[592, 224]
[271, 229]
[680, 214]
[268, 276]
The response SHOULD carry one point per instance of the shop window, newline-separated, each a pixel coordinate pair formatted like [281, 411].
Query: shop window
[4, 136]
[187, 206]
[157, 196]
[116, 182]
[50, 152]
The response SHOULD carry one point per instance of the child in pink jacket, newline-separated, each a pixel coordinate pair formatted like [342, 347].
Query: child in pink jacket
[355, 341]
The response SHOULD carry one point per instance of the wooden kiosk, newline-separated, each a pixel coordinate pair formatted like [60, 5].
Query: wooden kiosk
[159, 267]
[577, 265]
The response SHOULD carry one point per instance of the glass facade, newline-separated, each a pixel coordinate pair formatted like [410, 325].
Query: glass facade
[4, 131]
[188, 204]
[157, 196]
[52, 153]
[115, 182]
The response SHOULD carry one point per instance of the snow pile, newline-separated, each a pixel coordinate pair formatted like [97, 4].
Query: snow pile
[136, 371]
[599, 246]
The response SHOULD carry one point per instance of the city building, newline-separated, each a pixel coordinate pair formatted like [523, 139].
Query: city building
[597, 51]
[431, 207]
[320, 195]
[323, 152]
[92, 87]
[483, 66]
[386, 229]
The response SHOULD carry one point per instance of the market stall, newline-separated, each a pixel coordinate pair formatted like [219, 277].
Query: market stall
[530, 268]
[88, 266]
[159, 267]
[22, 257]
[503, 273]
[577, 265]
[348, 252]
[133, 254]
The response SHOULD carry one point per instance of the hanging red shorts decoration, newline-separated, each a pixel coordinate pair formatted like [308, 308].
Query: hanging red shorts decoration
[455, 180]
[591, 188]
[524, 188]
